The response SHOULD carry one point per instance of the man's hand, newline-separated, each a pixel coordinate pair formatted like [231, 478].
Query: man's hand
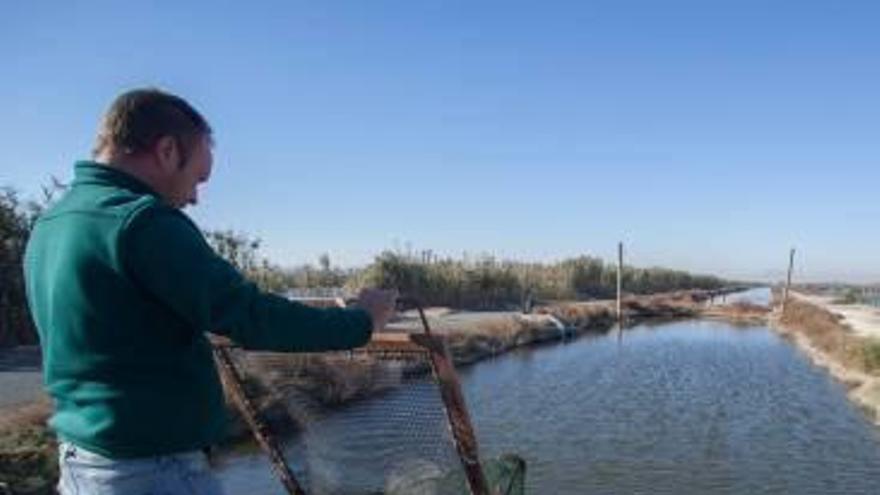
[380, 304]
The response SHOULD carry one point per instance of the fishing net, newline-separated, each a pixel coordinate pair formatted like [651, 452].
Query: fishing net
[378, 420]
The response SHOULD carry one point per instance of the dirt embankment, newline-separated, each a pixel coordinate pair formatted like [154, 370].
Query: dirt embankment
[28, 451]
[862, 319]
[831, 343]
[738, 313]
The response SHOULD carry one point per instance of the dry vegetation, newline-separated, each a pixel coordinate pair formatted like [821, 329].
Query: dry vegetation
[28, 452]
[582, 314]
[826, 332]
[739, 313]
[327, 379]
[488, 283]
[496, 337]
[828, 342]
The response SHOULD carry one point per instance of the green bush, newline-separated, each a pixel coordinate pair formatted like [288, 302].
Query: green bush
[850, 296]
[16, 219]
[871, 354]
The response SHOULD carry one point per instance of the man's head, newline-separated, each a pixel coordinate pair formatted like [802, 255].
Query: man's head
[159, 138]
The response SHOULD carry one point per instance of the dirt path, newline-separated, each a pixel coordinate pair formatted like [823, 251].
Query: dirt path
[20, 376]
[864, 320]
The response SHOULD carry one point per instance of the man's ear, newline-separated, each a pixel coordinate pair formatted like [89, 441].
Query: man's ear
[167, 153]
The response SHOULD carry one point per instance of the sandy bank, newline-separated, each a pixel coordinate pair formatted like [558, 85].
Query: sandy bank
[829, 342]
[862, 319]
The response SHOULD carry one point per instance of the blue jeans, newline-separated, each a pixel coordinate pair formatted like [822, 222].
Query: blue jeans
[87, 473]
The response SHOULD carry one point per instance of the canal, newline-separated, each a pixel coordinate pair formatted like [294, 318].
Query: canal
[687, 407]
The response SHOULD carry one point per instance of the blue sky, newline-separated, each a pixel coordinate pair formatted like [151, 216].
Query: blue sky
[707, 135]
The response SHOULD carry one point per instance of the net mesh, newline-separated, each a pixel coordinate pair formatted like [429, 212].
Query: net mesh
[374, 420]
[363, 422]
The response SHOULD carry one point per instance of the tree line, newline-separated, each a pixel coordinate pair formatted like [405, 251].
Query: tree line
[482, 282]
[16, 220]
[486, 282]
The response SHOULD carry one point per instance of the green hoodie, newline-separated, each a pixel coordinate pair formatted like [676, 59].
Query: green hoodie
[122, 289]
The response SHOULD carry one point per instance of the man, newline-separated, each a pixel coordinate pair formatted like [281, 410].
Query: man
[123, 287]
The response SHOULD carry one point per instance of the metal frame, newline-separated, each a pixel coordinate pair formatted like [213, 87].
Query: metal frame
[457, 416]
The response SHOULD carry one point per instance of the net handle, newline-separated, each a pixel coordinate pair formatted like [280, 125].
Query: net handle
[459, 420]
[234, 383]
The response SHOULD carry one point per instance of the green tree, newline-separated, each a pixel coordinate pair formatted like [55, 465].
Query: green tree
[17, 218]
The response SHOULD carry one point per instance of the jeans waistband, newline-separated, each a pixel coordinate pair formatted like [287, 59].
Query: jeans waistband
[71, 450]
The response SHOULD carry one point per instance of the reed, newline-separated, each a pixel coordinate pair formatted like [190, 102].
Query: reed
[28, 451]
[827, 332]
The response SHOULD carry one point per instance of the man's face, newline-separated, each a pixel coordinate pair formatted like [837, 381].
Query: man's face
[184, 179]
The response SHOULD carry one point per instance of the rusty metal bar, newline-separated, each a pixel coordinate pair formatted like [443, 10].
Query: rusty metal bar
[235, 385]
[456, 410]
[459, 420]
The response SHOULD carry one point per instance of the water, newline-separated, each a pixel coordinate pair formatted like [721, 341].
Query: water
[760, 296]
[21, 379]
[689, 407]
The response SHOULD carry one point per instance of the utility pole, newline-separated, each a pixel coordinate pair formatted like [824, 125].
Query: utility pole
[785, 294]
[620, 282]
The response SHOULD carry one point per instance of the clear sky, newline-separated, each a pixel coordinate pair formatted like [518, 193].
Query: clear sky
[707, 135]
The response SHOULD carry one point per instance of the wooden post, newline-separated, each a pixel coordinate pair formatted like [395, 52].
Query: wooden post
[788, 281]
[620, 282]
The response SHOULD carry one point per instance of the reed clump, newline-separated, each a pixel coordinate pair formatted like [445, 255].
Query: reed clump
[489, 283]
[28, 451]
[470, 282]
[826, 331]
[326, 380]
[493, 337]
[582, 315]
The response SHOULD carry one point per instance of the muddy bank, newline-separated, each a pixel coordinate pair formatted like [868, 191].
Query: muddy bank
[830, 343]
[566, 320]
[739, 313]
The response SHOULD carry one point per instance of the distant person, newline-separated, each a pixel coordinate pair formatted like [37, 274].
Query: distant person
[122, 287]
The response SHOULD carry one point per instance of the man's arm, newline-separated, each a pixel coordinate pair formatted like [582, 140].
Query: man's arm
[167, 256]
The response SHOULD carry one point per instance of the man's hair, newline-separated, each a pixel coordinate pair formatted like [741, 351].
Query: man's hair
[139, 118]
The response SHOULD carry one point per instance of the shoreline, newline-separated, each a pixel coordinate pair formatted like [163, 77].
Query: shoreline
[28, 458]
[829, 343]
[337, 380]
[28, 453]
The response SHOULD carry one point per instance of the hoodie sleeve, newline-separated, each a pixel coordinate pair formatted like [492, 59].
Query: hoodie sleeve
[169, 258]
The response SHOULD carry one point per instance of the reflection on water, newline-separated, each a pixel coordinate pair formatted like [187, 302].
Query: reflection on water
[399, 439]
[689, 407]
[760, 296]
